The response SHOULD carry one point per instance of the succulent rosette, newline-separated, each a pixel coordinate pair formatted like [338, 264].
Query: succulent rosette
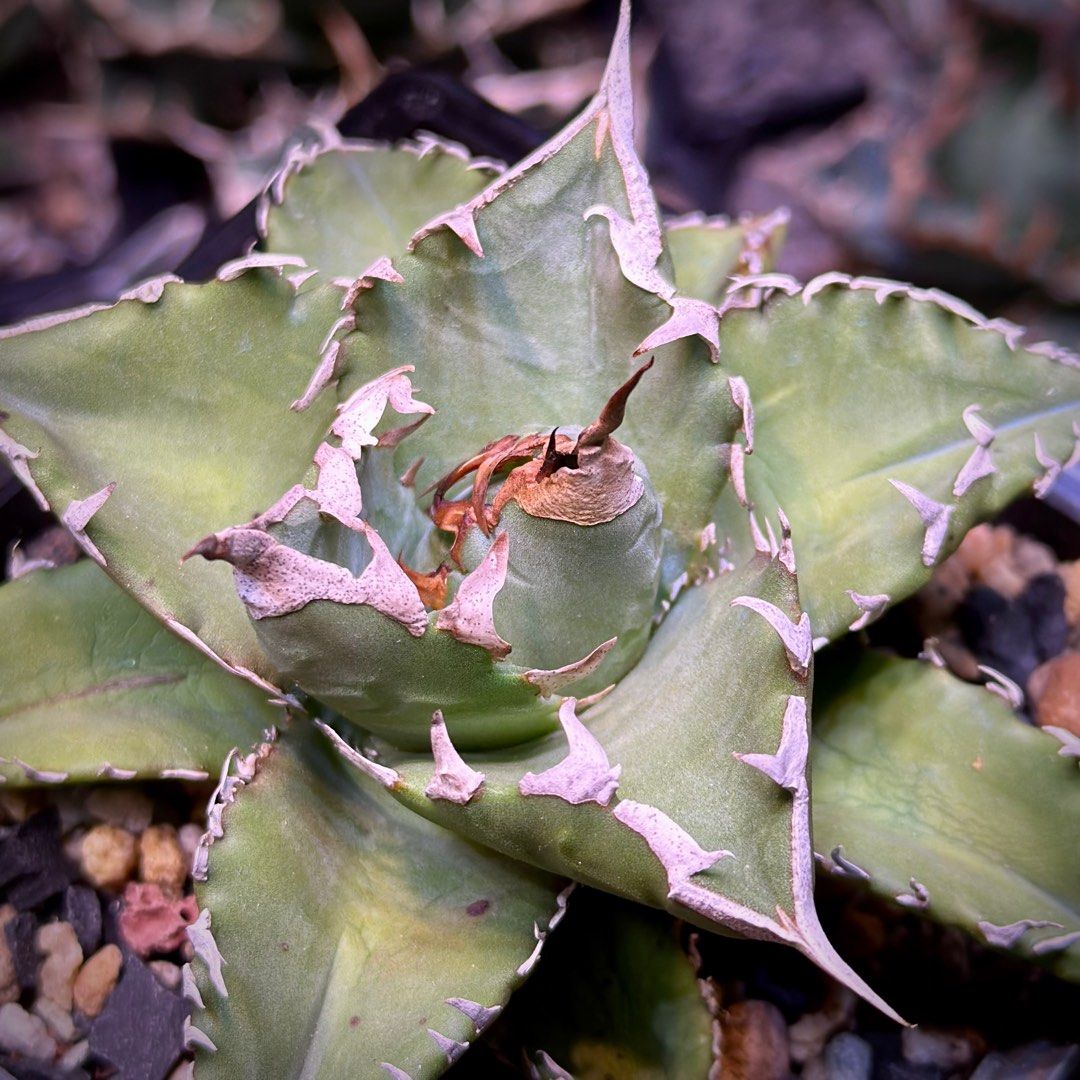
[530, 533]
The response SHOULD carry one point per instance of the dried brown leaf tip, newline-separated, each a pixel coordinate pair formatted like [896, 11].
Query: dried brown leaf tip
[586, 481]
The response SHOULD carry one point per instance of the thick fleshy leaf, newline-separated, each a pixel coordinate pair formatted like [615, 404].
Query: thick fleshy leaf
[707, 251]
[614, 995]
[874, 405]
[183, 404]
[92, 687]
[706, 743]
[950, 805]
[356, 202]
[346, 925]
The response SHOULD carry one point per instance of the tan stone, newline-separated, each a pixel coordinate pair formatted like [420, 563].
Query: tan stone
[162, 860]
[755, 1042]
[1054, 688]
[57, 942]
[108, 857]
[96, 980]
[9, 981]
[23, 1033]
[1070, 574]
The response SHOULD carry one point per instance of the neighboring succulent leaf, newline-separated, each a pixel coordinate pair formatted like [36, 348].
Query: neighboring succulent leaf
[991, 173]
[92, 687]
[614, 995]
[951, 805]
[351, 203]
[875, 403]
[707, 251]
[705, 742]
[183, 404]
[346, 924]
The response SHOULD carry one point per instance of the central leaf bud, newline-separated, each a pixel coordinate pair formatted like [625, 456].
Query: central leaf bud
[585, 533]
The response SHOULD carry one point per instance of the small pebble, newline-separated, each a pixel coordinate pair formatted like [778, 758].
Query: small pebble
[57, 1020]
[20, 935]
[847, 1057]
[96, 979]
[82, 908]
[22, 1033]
[190, 835]
[162, 860]
[9, 978]
[1070, 574]
[122, 807]
[59, 944]
[809, 1034]
[75, 1055]
[755, 1045]
[108, 857]
[1054, 688]
[945, 1049]
[167, 974]
[151, 922]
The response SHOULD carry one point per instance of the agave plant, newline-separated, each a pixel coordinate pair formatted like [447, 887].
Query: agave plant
[656, 487]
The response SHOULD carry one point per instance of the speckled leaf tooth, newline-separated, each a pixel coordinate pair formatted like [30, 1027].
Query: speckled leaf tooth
[796, 636]
[90, 687]
[823, 281]
[909, 765]
[18, 457]
[784, 282]
[363, 409]
[689, 318]
[550, 681]
[935, 517]
[371, 769]
[740, 395]
[453, 779]
[468, 617]
[1053, 467]
[918, 897]
[825, 458]
[679, 853]
[786, 552]
[458, 221]
[104, 396]
[870, 608]
[364, 875]
[394, 1072]
[257, 260]
[273, 579]
[451, 1048]
[77, 516]
[1049, 946]
[706, 710]
[737, 468]
[977, 466]
[787, 766]
[997, 682]
[326, 371]
[584, 775]
[480, 1015]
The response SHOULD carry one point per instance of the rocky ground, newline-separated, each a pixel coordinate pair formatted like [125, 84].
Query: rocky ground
[96, 897]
